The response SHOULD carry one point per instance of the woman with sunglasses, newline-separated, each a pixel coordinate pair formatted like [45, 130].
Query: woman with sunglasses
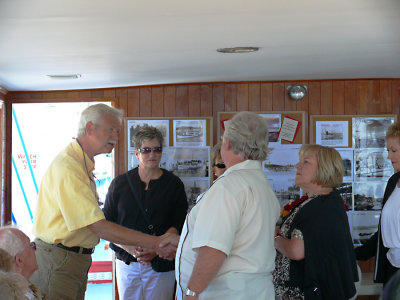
[151, 200]
[217, 162]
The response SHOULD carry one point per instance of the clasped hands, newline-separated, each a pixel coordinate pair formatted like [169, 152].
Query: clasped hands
[165, 247]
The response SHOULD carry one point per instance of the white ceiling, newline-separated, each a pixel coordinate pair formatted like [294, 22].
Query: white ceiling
[127, 43]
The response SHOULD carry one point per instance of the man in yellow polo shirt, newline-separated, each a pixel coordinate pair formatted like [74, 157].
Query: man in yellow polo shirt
[68, 222]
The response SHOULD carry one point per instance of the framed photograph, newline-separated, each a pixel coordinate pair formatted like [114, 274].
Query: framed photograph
[190, 133]
[274, 125]
[332, 133]
[347, 157]
[363, 225]
[371, 165]
[346, 191]
[280, 170]
[368, 196]
[193, 188]
[369, 132]
[189, 162]
[134, 125]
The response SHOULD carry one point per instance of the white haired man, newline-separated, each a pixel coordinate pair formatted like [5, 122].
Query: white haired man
[18, 263]
[68, 222]
[18, 245]
[226, 250]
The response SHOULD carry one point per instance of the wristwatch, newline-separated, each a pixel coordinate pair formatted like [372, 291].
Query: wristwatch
[189, 292]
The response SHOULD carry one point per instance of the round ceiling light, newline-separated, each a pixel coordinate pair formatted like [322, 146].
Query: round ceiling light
[297, 92]
[238, 49]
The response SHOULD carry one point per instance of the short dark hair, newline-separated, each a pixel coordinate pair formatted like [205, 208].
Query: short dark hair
[147, 133]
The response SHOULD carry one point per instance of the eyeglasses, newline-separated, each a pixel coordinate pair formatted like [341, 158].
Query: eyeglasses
[147, 150]
[33, 245]
[220, 165]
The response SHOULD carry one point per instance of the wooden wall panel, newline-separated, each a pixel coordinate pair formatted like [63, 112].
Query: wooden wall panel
[326, 97]
[230, 97]
[169, 101]
[396, 97]
[133, 101]
[314, 98]
[242, 97]
[181, 104]
[254, 97]
[278, 96]
[145, 101]
[351, 97]
[338, 98]
[157, 102]
[266, 97]
[385, 100]
[194, 100]
[206, 102]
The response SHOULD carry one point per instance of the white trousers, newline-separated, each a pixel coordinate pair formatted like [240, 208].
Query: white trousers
[139, 282]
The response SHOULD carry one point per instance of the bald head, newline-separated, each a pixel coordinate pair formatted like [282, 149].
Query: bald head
[11, 240]
[17, 244]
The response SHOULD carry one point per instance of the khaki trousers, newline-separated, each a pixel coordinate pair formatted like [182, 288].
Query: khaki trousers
[62, 274]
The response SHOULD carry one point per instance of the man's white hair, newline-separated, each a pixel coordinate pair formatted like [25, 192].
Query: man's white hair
[248, 135]
[95, 114]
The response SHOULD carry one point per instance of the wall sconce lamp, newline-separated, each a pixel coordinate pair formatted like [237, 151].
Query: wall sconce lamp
[297, 92]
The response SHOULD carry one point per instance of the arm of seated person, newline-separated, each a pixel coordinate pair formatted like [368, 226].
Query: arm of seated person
[291, 248]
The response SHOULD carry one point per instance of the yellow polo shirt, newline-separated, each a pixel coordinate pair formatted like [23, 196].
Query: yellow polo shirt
[67, 201]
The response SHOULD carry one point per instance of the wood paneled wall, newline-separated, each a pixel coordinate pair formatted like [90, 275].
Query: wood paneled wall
[327, 97]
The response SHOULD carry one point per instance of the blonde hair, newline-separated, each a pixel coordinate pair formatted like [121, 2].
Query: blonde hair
[330, 168]
[393, 131]
[216, 153]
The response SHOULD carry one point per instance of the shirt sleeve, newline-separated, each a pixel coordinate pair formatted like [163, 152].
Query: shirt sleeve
[217, 220]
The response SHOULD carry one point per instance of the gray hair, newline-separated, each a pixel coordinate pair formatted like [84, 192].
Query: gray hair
[95, 114]
[248, 135]
[147, 133]
[10, 240]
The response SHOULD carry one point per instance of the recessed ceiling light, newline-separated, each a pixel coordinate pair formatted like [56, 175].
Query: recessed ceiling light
[65, 76]
[238, 49]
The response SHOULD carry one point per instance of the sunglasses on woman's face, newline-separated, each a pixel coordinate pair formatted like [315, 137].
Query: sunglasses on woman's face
[147, 150]
[220, 165]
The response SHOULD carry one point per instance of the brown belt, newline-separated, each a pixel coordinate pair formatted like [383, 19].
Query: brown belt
[79, 250]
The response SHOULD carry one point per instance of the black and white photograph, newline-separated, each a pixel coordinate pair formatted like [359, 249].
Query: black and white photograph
[193, 188]
[369, 132]
[133, 161]
[189, 162]
[347, 157]
[368, 195]
[346, 192]
[371, 165]
[274, 125]
[190, 133]
[280, 171]
[332, 133]
[363, 225]
[134, 125]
